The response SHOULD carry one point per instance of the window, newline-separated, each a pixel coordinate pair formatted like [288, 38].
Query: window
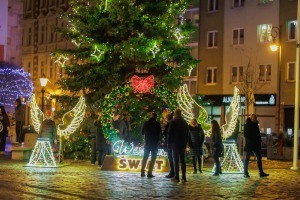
[211, 76]
[29, 67]
[29, 37]
[292, 28]
[42, 69]
[238, 36]
[213, 5]
[290, 72]
[264, 73]
[28, 5]
[212, 38]
[264, 32]
[238, 3]
[264, 1]
[237, 74]
[42, 36]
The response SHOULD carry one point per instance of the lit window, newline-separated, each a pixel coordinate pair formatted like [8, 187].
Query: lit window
[211, 76]
[238, 36]
[212, 38]
[237, 74]
[238, 3]
[292, 30]
[264, 73]
[290, 72]
[213, 5]
[264, 1]
[264, 32]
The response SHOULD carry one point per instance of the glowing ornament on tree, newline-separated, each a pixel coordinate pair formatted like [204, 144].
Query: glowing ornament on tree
[154, 49]
[61, 60]
[98, 52]
[142, 85]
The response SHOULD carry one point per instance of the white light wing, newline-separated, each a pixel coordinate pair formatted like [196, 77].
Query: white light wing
[37, 116]
[72, 119]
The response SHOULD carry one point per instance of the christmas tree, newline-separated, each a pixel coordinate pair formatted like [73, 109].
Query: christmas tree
[118, 39]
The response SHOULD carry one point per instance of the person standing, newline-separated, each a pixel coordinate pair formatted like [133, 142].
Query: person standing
[253, 144]
[170, 156]
[151, 131]
[177, 140]
[89, 129]
[217, 145]
[20, 120]
[101, 144]
[120, 125]
[4, 128]
[196, 140]
[48, 129]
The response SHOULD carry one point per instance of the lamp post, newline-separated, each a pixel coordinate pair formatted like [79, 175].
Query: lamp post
[276, 46]
[296, 113]
[43, 81]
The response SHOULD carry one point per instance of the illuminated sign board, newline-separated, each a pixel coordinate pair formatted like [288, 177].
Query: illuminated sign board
[260, 99]
[134, 163]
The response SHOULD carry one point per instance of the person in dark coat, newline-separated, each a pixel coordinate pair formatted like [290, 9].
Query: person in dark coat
[196, 140]
[152, 132]
[170, 156]
[217, 145]
[20, 120]
[178, 134]
[253, 144]
[121, 127]
[48, 128]
[102, 146]
[89, 129]
[4, 128]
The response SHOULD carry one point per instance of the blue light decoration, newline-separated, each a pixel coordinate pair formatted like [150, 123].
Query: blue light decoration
[14, 83]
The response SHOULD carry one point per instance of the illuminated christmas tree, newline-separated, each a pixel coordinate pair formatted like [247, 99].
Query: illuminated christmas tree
[14, 83]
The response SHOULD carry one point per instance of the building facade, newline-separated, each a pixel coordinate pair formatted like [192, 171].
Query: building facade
[11, 31]
[234, 50]
[39, 40]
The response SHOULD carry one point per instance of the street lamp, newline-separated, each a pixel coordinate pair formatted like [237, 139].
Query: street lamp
[43, 81]
[276, 46]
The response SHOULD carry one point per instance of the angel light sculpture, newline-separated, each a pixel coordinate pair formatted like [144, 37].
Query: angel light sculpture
[42, 155]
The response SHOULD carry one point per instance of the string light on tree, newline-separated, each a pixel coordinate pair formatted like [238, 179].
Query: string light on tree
[14, 83]
[98, 52]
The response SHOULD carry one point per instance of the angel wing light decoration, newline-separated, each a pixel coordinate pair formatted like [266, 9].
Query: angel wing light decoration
[189, 108]
[72, 119]
[37, 116]
[232, 115]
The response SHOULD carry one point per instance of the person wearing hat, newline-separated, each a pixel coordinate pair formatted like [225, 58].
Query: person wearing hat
[48, 128]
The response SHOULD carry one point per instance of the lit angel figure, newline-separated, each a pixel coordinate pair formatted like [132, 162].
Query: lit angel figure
[42, 155]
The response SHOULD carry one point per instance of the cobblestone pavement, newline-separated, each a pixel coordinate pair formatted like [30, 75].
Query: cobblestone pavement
[80, 180]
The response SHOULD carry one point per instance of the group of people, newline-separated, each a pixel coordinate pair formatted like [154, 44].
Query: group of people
[179, 134]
